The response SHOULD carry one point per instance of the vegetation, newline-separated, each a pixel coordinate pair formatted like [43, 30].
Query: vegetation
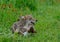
[47, 12]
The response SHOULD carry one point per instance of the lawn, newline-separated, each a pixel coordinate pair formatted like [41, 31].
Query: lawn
[46, 12]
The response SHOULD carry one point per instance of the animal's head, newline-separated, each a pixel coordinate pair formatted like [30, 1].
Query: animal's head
[31, 19]
[28, 19]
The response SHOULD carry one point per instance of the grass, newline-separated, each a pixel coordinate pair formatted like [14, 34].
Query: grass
[47, 27]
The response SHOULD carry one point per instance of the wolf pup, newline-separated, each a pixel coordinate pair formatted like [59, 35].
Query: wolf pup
[24, 25]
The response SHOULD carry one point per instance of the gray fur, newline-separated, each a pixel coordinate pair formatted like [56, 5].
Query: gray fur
[23, 25]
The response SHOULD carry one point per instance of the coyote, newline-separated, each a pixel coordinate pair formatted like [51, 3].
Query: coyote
[24, 25]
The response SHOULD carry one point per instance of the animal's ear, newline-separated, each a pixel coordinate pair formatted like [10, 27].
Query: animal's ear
[23, 17]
